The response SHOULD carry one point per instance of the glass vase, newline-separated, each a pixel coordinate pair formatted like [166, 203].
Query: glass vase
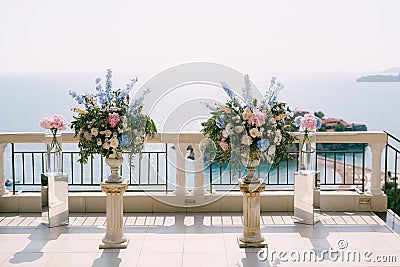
[307, 151]
[53, 161]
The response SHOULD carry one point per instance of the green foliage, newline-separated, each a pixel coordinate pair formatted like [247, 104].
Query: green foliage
[340, 127]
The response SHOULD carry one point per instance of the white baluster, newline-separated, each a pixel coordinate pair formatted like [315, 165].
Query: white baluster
[198, 171]
[3, 189]
[180, 169]
[376, 176]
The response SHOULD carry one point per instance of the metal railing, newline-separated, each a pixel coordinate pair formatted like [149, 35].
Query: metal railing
[392, 154]
[156, 169]
[338, 169]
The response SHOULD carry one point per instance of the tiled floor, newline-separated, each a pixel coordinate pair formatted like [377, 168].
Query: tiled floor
[200, 239]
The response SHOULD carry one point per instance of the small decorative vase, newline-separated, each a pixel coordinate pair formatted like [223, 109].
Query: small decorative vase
[250, 159]
[307, 151]
[114, 164]
[53, 161]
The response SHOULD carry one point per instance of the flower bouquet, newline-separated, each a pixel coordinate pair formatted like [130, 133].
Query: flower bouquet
[55, 123]
[109, 124]
[247, 130]
[308, 124]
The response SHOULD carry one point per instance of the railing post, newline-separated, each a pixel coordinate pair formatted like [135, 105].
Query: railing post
[376, 175]
[180, 149]
[198, 171]
[3, 189]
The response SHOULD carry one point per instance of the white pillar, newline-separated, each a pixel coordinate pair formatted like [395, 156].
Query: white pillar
[3, 189]
[251, 237]
[198, 171]
[376, 175]
[114, 237]
[180, 169]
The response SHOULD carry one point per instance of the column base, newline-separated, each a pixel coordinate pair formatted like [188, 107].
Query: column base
[199, 191]
[122, 245]
[375, 192]
[180, 192]
[242, 244]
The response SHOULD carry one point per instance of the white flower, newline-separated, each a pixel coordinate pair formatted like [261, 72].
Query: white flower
[114, 142]
[224, 133]
[119, 130]
[239, 129]
[99, 143]
[87, 135]
[94, 132]
[229, 129]
[271, 150]
[106, 145]
[236, 119]
[246, 140]
[254, 132]
[278, 137]
[107, 133]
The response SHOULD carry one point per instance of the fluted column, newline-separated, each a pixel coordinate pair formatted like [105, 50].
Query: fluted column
[180, 169]
[114, 237]
[198, 171]
[251, 236]
[376, 175]
[3, 189]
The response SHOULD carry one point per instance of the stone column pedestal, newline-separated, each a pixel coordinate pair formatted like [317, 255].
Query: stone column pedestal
[251, 237]
[114, 237]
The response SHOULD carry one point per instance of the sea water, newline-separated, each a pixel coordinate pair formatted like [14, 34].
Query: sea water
[27, 97]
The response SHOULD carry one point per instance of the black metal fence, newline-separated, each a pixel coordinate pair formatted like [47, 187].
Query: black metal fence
[392, 153]
[154, 171]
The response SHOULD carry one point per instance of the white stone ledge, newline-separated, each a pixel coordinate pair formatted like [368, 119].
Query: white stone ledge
[219, 202]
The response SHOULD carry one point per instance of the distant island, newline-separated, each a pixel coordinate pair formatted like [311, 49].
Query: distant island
[393, 75]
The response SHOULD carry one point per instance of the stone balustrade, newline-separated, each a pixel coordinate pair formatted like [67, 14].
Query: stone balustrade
[376, 140]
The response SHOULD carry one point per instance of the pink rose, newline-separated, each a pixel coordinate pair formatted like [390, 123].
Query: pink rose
[257, 118]
[113, 119]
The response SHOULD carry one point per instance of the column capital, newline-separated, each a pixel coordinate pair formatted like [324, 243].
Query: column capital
[114, 188]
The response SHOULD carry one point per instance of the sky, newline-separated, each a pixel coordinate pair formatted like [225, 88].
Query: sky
[131, 36]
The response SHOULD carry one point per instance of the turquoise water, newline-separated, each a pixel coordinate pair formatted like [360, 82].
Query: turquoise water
[26, 98]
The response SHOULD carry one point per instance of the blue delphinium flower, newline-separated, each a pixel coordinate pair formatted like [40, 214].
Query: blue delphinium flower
[297, 121]
[263, 144]
[74, 95]
[318, 124]
[247, 91]
[272, 93]
[108, 84]
[139, 100]
[228, 90]
[220, 122]
[123, 140]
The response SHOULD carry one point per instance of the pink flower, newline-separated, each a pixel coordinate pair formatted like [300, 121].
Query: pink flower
[309, 121]
[54, 122]
[257, 118]
[223, 144]
[113, 119]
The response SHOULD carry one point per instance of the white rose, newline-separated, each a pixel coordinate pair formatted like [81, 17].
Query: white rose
[107, 133]
[87, 136]
[229, 129]
[239, 129]
[246, 140]
[94, 132]
[271, 150]
[119, 130]
[254, 132]
[99, 143]
[106, 145]
[114, 142]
